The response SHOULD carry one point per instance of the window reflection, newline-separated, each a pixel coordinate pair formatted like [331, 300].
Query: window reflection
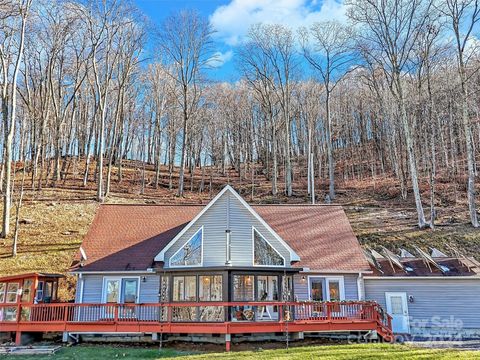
[190, 253]
[264, 253]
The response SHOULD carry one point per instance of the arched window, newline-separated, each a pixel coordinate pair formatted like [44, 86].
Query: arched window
[190, 253]
[263, 253]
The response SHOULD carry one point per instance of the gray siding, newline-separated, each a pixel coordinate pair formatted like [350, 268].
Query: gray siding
[351, 288]
[149, 290]
[214, 222]
[301, 287]
[433, 300]
[92, 289]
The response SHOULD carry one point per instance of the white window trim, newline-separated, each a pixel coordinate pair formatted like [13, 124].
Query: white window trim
[181, 247]
[120, 279]
[340, 279]
[268, 242]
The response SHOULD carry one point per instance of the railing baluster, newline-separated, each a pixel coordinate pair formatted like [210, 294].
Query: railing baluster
[161, 313]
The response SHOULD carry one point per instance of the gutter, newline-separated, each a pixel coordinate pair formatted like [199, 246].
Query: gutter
[353, 272]
[473, 277]
[77, 272]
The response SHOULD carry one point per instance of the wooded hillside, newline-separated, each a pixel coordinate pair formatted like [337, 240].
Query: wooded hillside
[379, 114]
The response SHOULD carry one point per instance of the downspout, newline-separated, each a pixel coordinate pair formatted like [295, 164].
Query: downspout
[360, 287]
[80, 297]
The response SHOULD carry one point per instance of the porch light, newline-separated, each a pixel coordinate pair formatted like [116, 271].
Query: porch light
[304, 278]
[144, 279]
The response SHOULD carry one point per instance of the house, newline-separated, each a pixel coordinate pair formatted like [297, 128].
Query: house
[229, 271]
[265, 252]
[428, 295]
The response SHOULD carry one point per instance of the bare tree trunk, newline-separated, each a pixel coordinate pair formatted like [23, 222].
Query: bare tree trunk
[331, 166]
[411, 154]
[9, 115]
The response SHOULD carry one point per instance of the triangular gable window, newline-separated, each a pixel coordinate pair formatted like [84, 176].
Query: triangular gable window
[263, 253]
[190, 253]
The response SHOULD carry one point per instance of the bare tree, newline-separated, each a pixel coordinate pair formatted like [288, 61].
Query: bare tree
[464, 16]
[390, 29]
[277, 62]
[185, 38]
[14, 18]
[328, 47]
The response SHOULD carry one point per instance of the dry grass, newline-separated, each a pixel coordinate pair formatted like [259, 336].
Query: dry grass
[330, 352]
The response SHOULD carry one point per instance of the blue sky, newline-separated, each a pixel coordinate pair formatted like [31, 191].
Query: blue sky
[232, 18]
[157, 10]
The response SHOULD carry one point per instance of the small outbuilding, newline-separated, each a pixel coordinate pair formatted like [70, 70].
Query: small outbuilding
[31, 288]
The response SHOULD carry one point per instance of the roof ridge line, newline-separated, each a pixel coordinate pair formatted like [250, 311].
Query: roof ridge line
[204, 204]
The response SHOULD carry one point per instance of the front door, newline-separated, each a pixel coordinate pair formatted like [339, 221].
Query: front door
[317, 289]
[112, 291]
[111, 295]
[129, 290]
[267, 290]
[397, 307]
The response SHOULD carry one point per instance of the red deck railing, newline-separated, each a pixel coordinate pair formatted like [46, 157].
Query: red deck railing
[197, 317]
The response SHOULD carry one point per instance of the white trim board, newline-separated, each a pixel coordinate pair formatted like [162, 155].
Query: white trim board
[161, 255]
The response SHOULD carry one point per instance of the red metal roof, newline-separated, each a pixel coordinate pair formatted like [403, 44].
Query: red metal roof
[128, 237]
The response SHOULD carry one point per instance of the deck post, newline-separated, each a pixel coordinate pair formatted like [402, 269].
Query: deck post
[18, 334]
[65, 336]
[18, 338]
[228, 339]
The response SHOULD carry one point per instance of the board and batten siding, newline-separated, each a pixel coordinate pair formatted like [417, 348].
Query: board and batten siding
[93, 286]
[214, 222]
[301, 286]
[435, 303]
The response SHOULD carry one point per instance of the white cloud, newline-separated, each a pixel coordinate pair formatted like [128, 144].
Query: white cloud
[233, 20]
[472, 47]
[218, 59]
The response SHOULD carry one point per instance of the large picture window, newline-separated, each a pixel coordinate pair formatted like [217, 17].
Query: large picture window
[210, 288]
[263, 253]
[191, 253]
[243, 288]
[184, 288]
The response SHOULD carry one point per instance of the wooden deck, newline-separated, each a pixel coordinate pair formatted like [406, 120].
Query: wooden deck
[196, 318]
